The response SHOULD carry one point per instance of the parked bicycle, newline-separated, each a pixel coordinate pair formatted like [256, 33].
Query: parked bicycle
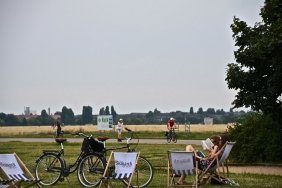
[91, 170]
[171, 136]
[51, 166]
[90, 164]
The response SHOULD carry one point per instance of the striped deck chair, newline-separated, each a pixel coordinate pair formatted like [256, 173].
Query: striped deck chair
[182, 163]
[14, 172]
[123, 168]
[214, 172]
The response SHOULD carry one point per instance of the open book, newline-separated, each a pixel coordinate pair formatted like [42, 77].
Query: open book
[207, 144]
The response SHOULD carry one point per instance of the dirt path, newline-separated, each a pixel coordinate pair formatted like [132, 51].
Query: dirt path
[269, 170]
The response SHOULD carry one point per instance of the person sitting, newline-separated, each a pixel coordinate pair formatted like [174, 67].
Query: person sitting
[205, 160]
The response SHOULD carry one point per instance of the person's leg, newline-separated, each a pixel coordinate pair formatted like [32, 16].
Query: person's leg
[119, 135]
[182, 178]
[190, 148]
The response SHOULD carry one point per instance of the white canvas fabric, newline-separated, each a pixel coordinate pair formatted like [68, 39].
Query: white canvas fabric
[10, 165]
[182, 163]
[124, 164]
[226, 152]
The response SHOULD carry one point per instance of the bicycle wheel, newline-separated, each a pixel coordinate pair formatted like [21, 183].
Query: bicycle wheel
[144, 171]
[90, 170]
[174, 137]
[168, 137]
[48, 169]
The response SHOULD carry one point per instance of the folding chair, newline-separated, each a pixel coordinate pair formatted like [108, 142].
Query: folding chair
[182, 163]
[123, 169]
[14, 173]
[213, 171]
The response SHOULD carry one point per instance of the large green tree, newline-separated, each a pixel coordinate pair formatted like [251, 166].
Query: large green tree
[257, 77]
[257, 72]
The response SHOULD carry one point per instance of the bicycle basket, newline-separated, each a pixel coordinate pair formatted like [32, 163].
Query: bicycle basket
[91, 145]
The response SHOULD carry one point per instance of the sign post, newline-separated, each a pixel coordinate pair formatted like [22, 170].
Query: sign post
[105, 122]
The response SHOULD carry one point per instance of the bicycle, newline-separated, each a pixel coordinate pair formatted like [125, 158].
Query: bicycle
[91, 173]
[51, 167]
[171, 136]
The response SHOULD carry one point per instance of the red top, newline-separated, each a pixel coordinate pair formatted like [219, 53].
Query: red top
[170, 124]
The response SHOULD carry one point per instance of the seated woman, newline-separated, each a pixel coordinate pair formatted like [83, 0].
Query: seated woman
[205, 161]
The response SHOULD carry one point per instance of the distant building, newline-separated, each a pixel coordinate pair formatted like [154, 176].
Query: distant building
[208, 121]
[26, 111]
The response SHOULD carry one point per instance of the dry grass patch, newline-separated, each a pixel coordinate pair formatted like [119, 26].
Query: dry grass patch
[21, 130]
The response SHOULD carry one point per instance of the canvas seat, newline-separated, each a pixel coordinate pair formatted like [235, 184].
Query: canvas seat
[219, 172]
[123, 168]
[182, 163]
[14, 173]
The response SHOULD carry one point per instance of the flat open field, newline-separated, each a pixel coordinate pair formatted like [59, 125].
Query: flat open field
[20, 130]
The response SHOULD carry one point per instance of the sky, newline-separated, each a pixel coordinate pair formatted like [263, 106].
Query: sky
[134, 55]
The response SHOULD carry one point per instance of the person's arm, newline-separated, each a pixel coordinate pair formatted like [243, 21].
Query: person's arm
[174, 125]
[215, 152]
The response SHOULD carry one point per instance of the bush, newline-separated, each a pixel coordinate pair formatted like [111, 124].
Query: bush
[258, 139]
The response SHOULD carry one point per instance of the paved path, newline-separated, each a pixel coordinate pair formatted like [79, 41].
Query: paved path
[77, 140]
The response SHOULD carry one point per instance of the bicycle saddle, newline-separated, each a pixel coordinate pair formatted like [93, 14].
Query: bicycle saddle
[60, 140]
[102, 138]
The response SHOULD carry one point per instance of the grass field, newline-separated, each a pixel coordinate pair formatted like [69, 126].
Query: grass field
[29, 152]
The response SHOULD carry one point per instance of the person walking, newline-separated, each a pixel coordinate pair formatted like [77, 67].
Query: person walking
[119, 129]
[59, 132]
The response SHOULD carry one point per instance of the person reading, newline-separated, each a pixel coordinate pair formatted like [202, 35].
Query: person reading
[212, 145]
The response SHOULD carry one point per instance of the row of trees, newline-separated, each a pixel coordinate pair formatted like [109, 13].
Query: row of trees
[67, 117]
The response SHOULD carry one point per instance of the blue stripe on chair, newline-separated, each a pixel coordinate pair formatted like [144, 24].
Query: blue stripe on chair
[184, 172]
[118, 176]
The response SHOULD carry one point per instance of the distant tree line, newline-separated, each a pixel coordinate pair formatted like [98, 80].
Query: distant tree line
[67, 117]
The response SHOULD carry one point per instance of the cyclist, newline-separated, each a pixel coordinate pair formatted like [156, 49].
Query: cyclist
[171, 124]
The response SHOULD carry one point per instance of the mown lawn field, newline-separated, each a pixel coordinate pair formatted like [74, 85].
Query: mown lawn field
[156, 154]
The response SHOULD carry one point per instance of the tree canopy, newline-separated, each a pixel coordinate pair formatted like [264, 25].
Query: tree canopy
[257, 72]
[257, 77]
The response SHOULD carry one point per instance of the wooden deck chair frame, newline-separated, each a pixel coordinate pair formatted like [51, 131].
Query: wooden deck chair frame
[214, 171]
[108, 176]
[17, 182]
[189, 167]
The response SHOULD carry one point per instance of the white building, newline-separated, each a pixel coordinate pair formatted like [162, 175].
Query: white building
[208, 121]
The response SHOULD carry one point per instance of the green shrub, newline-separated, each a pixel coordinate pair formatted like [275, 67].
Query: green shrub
[258, 139]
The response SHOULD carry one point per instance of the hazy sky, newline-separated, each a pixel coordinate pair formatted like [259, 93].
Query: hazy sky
[134, 55]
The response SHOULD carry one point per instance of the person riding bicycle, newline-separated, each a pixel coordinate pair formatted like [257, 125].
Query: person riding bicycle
[171, 124]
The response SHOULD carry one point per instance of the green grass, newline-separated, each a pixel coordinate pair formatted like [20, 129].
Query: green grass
[156, 154]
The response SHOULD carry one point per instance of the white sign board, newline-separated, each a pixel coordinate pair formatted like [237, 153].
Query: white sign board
[105, 122]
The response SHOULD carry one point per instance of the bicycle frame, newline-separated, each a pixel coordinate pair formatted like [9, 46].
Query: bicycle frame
[60, 154]
[121, 147]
